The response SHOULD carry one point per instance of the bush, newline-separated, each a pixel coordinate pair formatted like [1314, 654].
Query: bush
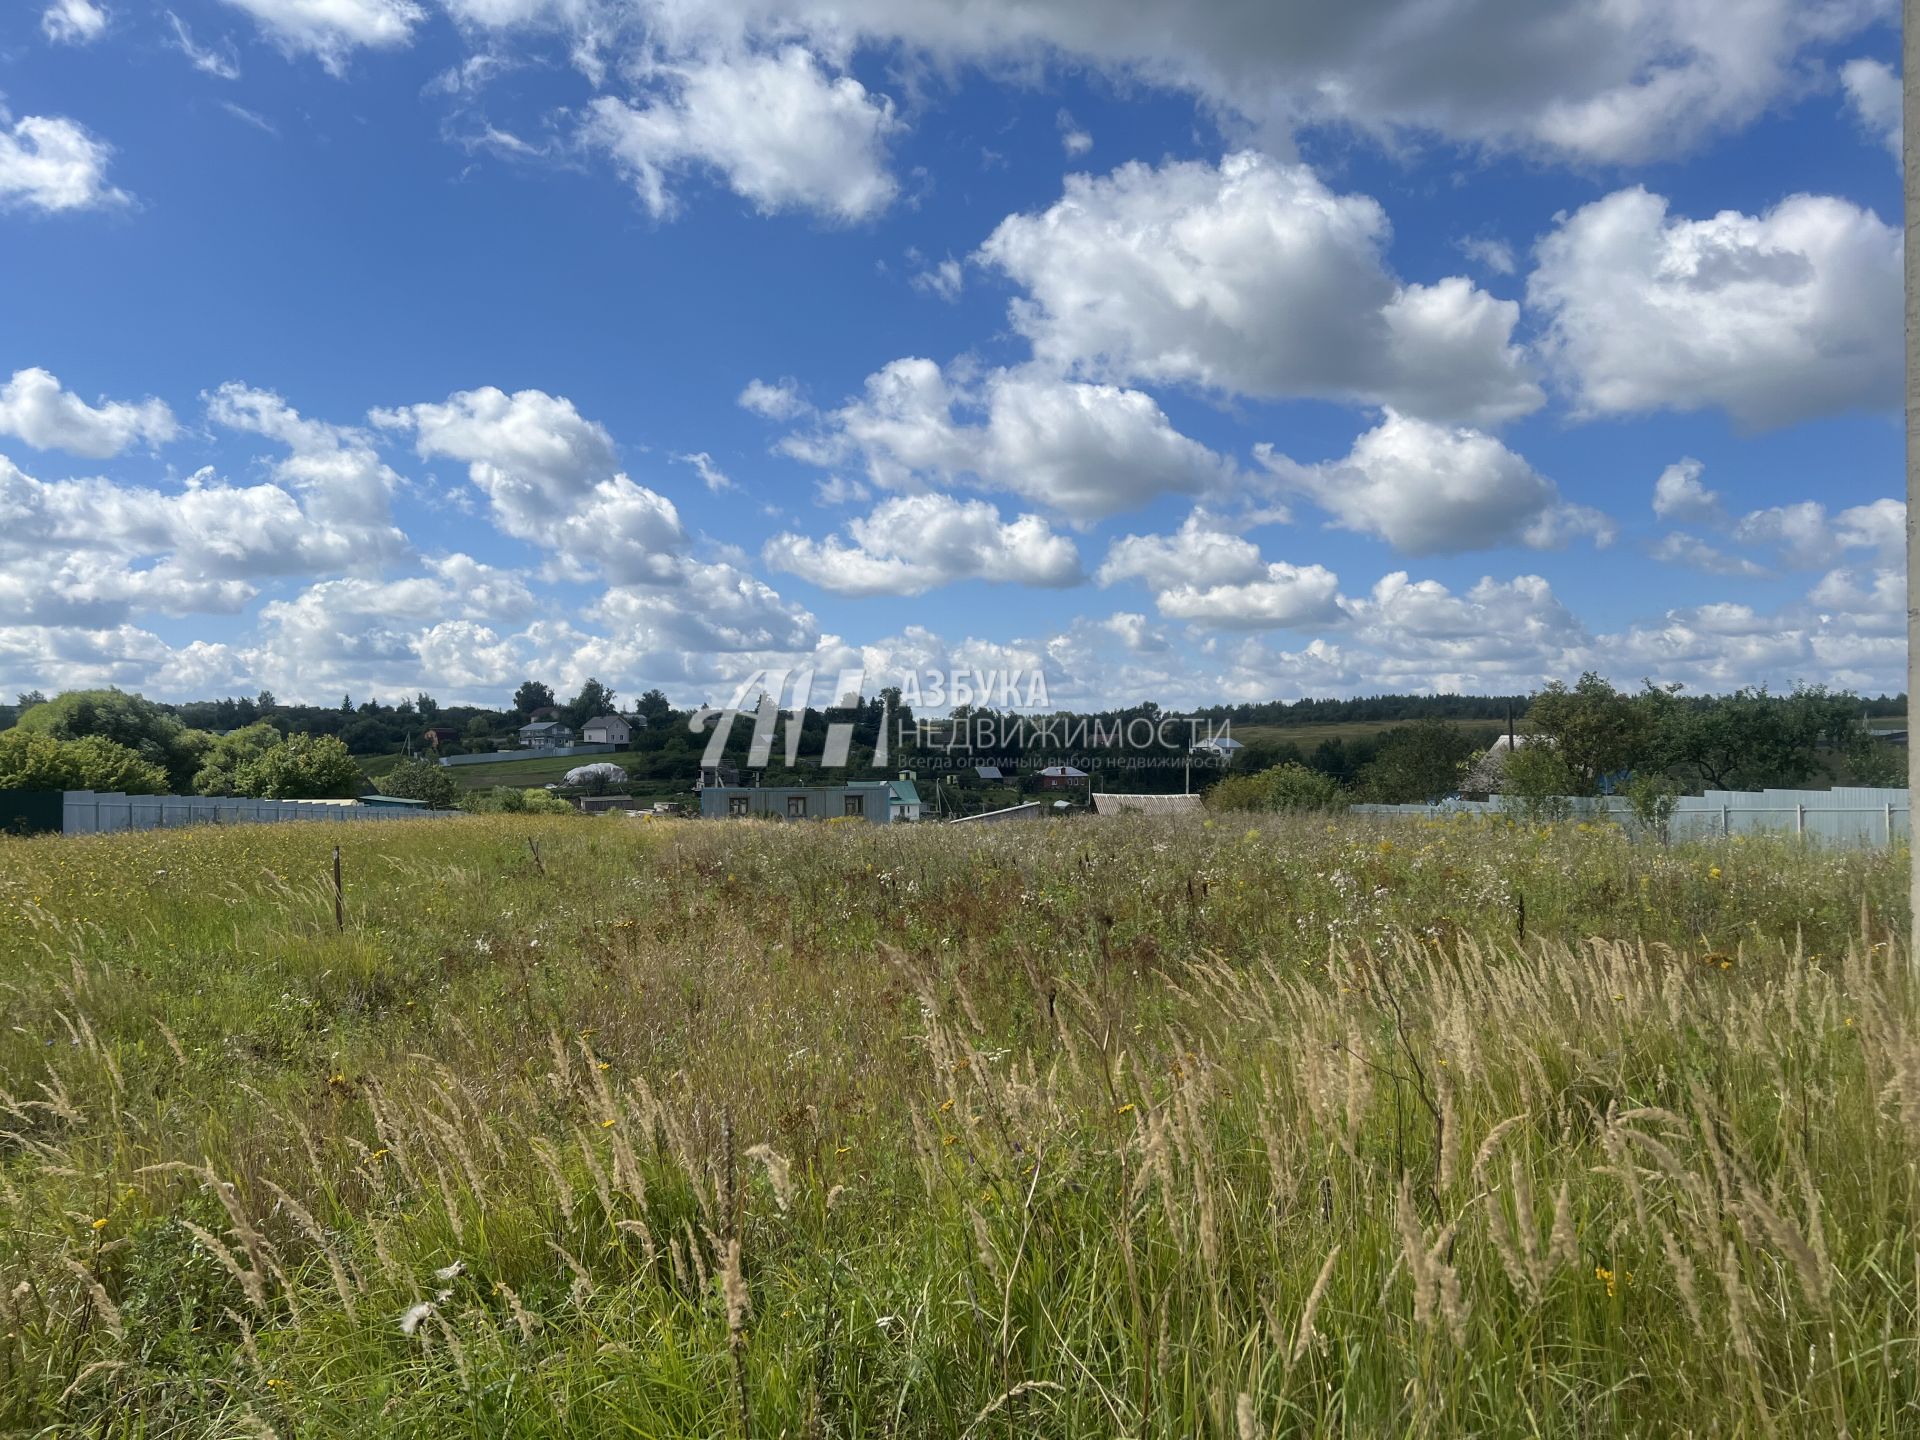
[1291, 786]
[420, 780]
[506, 800]
[305, 767]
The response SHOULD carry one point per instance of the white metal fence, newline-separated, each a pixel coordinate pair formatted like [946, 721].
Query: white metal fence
[89, 812]
[541, 752]
[1849, 815]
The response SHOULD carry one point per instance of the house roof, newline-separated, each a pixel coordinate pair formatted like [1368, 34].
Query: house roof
[988, 772]
[603, 720]
[1028, 809]
[904, 792]
[1063, 772]
[542, 725]
[1225, 744]
[1145, 804]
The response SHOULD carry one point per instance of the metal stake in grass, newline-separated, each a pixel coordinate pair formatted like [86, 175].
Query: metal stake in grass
[339, 899]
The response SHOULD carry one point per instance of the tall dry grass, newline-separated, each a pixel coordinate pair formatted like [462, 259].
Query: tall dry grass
[1109, 1129]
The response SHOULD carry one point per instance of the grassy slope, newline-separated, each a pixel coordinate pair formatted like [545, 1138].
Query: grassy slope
[1063, 1123]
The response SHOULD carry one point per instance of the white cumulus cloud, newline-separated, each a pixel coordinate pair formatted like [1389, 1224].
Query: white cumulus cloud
[34, 407]
[1431, 489]
[782, 131]
[48, 162]
[1773, 318]
[1252, 277]
[914, 543]
[73, 22]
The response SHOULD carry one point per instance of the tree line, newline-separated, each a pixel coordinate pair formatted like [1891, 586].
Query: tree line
[1594, 738]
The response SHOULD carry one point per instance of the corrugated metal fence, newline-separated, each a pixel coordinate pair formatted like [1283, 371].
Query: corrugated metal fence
[1850, 815]
[89, 812]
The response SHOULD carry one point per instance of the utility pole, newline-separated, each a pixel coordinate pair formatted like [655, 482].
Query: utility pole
[1910, 155]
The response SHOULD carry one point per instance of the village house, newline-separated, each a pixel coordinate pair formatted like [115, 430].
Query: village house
[540, 734]
[606, 730]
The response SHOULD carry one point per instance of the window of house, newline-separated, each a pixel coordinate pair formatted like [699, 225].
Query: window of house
[737, 804]
[796, 807]
[856, 805]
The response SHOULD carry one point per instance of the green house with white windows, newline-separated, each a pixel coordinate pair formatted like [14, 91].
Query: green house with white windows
[878, 802]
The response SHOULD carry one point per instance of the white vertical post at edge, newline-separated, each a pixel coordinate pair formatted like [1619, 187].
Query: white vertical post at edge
[1800, 821]
[1910, 154]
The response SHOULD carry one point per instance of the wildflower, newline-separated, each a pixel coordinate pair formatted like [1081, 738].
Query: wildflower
[1849, 1022]
[101, 1223]
[1126, 1109]
[609, 1122]
[945, 1106]
[603, 1065]
[1600, 1272]
[950, 1140]
[1713, 872]
[411, 1320]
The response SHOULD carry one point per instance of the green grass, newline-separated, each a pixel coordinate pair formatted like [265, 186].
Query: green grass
[1077, 1128]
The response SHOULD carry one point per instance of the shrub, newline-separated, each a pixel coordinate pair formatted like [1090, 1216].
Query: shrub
[420, 780]
[1291, 786]
[304, 767]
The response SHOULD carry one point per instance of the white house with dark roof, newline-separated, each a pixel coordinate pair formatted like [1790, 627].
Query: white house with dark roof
[606, 730]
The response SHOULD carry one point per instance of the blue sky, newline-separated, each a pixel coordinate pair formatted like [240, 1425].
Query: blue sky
[1188, 352]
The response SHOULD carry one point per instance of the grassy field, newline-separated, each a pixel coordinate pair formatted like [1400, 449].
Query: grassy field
[606, 1127]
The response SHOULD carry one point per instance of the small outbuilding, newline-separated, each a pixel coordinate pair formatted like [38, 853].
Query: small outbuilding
[1146, 804]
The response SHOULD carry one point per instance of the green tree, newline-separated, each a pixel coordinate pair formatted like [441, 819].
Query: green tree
[655, 706]
[594, 700]
[35, 760]
[219, 771]
[420, 780]
[531, 696]
[1595, 730]
[303, 767]
[1744, 741]
[151, 731]
[1417, 764]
